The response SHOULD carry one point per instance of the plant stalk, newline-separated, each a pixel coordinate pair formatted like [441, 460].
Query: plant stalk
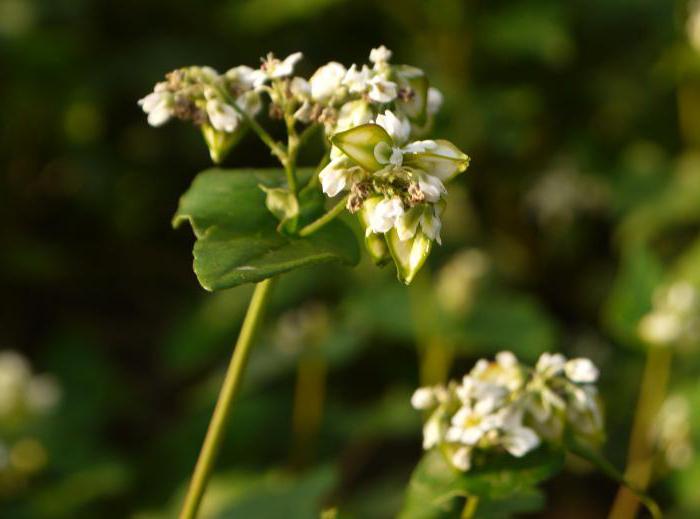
[652, 392]
[325, 219]
[222, 411]
[470, 507]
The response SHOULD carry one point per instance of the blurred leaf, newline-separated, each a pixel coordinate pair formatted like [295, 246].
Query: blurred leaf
[436, 487]
[236, 238]
[276, 497]
[630, 298]
[507, 322]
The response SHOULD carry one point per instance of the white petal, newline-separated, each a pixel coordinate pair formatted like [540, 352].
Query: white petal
[222, 116]
[380, 55]
[461, 459]
[431, 433]
[159, 115]
[506, 359]
[381, 90]
[326, 81]
[581, 370]
[384, 215]
[335, 176]
[520, 441]
[423, 398]
[398, 128]
[472, 435]
[430, 224]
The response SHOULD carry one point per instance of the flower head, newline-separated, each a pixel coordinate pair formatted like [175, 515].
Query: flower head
[491, 409]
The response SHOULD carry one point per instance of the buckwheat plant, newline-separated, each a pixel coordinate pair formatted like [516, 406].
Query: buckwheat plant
[252, 225]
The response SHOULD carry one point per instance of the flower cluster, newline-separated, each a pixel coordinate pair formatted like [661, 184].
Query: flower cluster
[506, 406]
[396, 185]
[371, 114]
[674, 319]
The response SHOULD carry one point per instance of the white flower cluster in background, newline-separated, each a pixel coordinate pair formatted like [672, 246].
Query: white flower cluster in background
[508, 407]
[24, 399]
[675, 317]
[671, 432]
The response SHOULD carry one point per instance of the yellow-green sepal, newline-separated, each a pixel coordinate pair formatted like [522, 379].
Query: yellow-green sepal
[284, 205]
[409, 255]
[220, 143]
[444, 160]
[359, 143]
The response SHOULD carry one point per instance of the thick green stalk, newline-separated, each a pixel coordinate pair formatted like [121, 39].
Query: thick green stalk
[229, 390]
[640, 457]
[326, 218]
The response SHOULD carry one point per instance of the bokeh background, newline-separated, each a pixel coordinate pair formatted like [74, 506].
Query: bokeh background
[582, 202]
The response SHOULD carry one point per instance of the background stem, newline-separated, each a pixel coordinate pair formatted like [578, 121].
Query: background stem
[229, 390]
[640, 456]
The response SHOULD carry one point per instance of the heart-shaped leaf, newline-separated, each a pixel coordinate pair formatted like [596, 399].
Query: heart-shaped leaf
[237, 241]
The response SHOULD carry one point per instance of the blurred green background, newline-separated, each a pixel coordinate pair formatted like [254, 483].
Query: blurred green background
[582, 119]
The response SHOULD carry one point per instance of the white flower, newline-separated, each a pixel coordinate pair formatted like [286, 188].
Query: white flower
[423, 398]
[432, 432]
[380, 55]
[422, 216]
[519, 440]
[326, 81]
[432, 187]
[273, 68]
[550, 364]
[399, 129]
[158, 105]
[356, 80]
[660, 327]
[300, 88]
[243, 76]
[581, 371]
[384, 215]
[353, 113]
[461, 459]
[382, 90]
[222, 116]
[336, 176]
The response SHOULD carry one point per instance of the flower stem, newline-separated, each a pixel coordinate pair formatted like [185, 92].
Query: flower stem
[292, 150]
[229, 390]
[470, 507]
[276, 148]
[325, 219]
[640, 456]
[584, 451]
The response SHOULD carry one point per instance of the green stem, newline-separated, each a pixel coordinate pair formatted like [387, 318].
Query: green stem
[276, 148]
[222, 411]
[640, 458]
[326, 218]
[613, 473]
[470, 507]
[313, 181]
[292, 150]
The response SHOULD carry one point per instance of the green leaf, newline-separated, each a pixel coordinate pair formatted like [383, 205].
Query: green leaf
[436, 488]
[236, 237]
[640, 274]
